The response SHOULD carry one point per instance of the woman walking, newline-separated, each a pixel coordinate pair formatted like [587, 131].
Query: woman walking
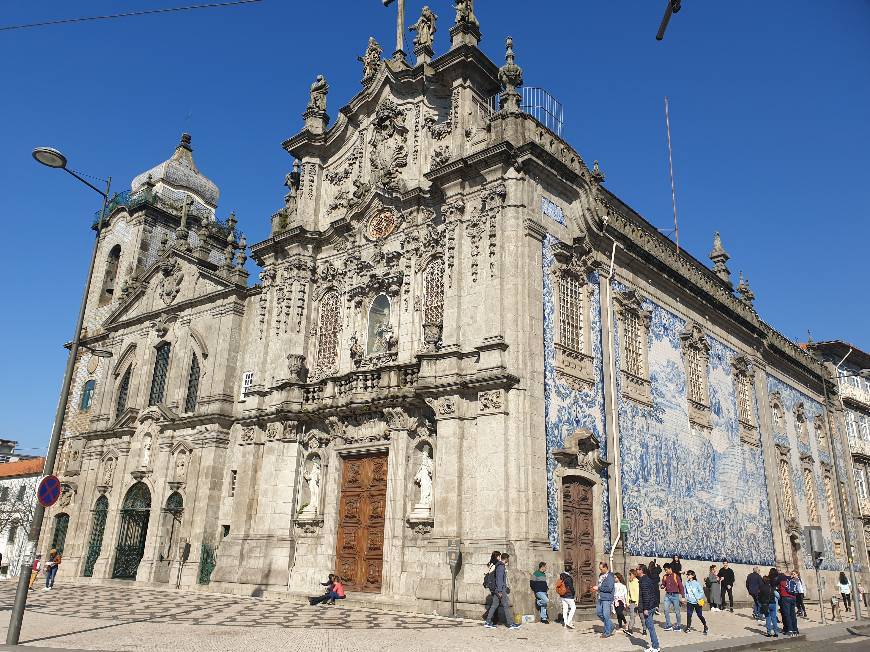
[845, 590]
[799, 595]
[565, 589]
[694, 601]
[620, 600]
[714, 590]
[634, 601]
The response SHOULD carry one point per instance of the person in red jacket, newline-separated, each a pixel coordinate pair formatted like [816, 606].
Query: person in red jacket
[787, 600]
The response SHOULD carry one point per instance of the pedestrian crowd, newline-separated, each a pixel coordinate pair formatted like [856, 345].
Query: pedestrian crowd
[649, 590]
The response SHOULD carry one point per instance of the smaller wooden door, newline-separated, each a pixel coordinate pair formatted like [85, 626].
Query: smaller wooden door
[360, 546]
[578, 536]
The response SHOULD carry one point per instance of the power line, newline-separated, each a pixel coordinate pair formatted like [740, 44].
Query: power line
[144, 12]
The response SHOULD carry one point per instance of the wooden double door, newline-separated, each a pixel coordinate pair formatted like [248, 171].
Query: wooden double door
[578, 536]
[360, 547]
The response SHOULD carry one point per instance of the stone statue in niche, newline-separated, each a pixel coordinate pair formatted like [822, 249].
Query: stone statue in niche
[356, 350]
[380, 332]
[146, 451]
[108, 471]
[312, 477]
[181, 467]
[423, 478]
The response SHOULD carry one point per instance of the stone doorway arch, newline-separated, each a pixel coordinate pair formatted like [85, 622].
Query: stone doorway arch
[135, 513]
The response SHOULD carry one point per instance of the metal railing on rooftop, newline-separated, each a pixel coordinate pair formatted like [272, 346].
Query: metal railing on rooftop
[539, 104]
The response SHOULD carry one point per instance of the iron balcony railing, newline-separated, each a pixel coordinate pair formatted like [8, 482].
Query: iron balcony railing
[539, 104]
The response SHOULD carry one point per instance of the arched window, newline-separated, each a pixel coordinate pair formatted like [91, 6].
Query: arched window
[192, 385]
[123, 391]
[433, 292]
[328, 331]
[87, 395]
[158, 378]
[107, 293]
[379, 332]
[58, 538]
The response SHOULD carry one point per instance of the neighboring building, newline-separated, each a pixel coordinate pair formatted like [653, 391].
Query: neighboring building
[854, 390]
[435, 353]
[8, 454]
[18, 482]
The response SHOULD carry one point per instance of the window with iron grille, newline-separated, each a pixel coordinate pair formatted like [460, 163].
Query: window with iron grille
[158, 378]
[696, 375]
[192, 385]
[632, 347]
[570, 313]
[788, 494]
[123, 392]
[328, 331]
[233, 475]
[810, 491]
[13, 531]
[433, 292]
[87, 395]
[247, 383]
[851, 427]
[744, 397]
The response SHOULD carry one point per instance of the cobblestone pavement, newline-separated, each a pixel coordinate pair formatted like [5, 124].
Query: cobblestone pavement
[126, 617]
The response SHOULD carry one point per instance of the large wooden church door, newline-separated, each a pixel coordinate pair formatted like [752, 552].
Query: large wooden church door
[360, 547]
[578, 536]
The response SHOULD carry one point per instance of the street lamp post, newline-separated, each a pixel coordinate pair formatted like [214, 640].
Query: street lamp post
[54, 159]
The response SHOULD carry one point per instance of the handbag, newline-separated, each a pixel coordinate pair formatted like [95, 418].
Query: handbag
[702, 602]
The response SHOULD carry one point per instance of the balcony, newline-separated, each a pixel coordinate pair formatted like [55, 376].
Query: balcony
[848, 390]
[539, 104]
[130, 200]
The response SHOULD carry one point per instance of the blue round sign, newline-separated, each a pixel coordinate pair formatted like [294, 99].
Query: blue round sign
[49, 491]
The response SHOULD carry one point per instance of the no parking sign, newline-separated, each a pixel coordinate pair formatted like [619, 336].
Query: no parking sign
[49, 491]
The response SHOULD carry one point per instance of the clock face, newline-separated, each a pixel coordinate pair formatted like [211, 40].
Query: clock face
[381, 225]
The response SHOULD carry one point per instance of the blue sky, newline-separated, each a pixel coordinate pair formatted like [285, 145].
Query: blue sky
[769, 120]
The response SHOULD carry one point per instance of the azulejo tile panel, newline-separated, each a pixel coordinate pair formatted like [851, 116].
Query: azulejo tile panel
[686, 490]
[567, 409]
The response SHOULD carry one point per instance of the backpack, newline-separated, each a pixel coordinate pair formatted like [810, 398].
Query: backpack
[793, 586]
[489, 580]
[561, 589]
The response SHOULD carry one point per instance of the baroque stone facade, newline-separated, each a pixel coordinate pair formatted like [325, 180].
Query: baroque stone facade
[439, 350]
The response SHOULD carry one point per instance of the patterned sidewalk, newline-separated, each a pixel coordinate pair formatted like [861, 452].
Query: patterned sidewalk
[125, 617]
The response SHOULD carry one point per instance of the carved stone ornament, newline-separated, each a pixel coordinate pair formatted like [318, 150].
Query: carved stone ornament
[274, 431]
[581, 450]
[66, 494]
[170, 283]
[248, 435]
[389, 154]
[398, 419]
[309, 526]
[382, 224]
[491, 401]
[296, 366]
[371, 60]
[444, 406]
[483, 220]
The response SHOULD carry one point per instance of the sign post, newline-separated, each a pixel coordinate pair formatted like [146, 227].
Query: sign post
[49, 490]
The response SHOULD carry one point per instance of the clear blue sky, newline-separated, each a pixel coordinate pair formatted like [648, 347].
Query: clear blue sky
[769, 118]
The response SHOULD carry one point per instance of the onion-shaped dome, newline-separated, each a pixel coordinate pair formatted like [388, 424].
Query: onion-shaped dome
[178, 177]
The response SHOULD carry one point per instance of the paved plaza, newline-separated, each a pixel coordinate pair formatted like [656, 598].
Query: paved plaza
[125, 617]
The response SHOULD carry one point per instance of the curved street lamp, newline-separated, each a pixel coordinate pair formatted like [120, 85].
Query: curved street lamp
[53, 158]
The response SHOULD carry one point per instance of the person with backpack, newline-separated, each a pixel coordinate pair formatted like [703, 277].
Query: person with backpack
[604, 591]
[753, 586]
[767, 601]
[489, 580]
[649, 600]
[694, 601]
[538, 585]
[500, 592]
[787, 588]
[565, 589]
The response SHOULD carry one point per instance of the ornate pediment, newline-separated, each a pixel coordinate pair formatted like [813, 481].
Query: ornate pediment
[581, 450]
[169, 285]
[157, 414]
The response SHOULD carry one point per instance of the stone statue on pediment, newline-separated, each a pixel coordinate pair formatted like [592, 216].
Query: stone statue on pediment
[425, 28]
[319, 90]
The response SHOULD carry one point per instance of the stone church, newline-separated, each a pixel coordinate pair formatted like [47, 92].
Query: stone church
[460, 338]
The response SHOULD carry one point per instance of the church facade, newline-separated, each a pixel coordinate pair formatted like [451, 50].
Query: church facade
[459, 339]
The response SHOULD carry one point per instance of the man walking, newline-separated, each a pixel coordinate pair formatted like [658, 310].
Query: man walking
[538, 584]
[726, 583]
[649, 600]
[674, 592]
[753, 587]
[604, 589]
[500, 595]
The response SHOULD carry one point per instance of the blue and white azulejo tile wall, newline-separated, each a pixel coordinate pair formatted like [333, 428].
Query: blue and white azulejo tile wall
[698, 493]
[567, 409]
